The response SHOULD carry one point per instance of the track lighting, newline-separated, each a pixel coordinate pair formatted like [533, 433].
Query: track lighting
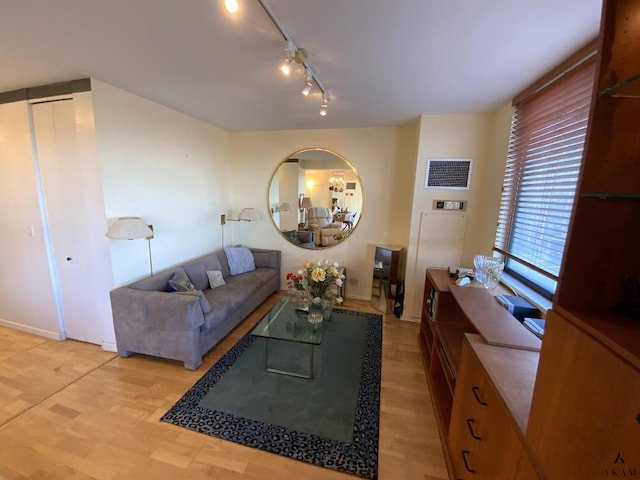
[325, 104]
[307, 85]
[231, 5]
[285, 68]
[299, 55]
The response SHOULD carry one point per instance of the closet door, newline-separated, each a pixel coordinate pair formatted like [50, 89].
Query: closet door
[72, 208]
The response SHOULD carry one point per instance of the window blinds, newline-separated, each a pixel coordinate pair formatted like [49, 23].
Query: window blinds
[545, 153]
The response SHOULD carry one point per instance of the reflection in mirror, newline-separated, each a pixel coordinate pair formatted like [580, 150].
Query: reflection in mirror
[315, 198]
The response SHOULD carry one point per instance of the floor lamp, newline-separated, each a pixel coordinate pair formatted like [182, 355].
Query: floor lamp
[246, 215]
[132, 228]
[306, 204]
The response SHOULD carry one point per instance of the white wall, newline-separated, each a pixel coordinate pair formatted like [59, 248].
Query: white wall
[384, 159]
[168, 168]
[454, 136]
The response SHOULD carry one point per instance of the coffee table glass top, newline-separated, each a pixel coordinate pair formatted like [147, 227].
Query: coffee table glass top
[284, 323]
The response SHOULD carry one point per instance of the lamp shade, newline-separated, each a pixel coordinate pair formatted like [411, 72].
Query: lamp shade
[129, 228]
[284, 207]
[249, 214]
[306, 203]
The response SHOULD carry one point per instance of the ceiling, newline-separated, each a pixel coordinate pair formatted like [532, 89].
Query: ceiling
[384, 62]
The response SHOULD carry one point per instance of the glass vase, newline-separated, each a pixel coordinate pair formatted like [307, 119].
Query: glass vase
[302, 299]
[327, 308]
[492, 270]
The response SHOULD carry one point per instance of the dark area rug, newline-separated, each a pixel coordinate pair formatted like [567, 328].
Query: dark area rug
[331, 421]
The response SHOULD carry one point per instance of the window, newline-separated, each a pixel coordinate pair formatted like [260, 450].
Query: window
[548, 132]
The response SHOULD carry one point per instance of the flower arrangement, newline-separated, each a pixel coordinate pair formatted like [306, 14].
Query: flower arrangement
[317, 279]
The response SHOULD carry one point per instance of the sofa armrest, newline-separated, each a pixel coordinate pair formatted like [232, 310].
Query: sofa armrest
[157, 310]
[264, 258]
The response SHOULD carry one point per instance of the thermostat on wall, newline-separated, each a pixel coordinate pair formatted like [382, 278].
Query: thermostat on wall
[449, 205]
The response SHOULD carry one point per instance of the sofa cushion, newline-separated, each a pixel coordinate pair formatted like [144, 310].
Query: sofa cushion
[156, 283]
[197, 269]
[180, 282]
[228, 298]
[266, 259]
[215, 278]
[240, 260]
[204, 303]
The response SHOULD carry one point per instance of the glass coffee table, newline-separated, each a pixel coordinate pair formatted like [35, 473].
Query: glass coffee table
[285, 323]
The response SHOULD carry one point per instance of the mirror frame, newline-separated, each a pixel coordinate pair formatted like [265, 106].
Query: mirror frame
[348, 166]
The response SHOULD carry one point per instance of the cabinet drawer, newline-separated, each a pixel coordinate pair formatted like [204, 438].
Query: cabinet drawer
[463, 447]
[483, 440]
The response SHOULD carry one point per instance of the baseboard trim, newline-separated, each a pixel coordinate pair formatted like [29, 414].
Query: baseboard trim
[33, 330]
[109, 347]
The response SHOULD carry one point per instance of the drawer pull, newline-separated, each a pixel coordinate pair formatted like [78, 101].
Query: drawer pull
[475, 391]
[466, 464]
[470, 424]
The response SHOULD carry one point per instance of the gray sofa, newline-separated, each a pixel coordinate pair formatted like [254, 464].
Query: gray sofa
[185, 325]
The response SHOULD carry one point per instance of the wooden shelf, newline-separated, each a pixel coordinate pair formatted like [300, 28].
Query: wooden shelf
[627, 88]
[492, 321]
[440, 278]
[452, 335]
[620, 44]
[620, 334]
[441, 395]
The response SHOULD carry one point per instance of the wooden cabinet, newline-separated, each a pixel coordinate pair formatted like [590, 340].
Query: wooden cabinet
[526, 469]
[442, 327]
[463, 373]
[585, 415]
[582, 419]
[601, 270]
[388, 276]
[485, 435]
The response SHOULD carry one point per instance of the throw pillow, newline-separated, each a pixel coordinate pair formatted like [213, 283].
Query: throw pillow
[180, 282]
[240, 260]
[204, 303]
[215, 278]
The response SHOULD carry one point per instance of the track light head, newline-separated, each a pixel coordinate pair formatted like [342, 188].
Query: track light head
[307, 85]
[325, 104]
[231, 5]
[285, 67]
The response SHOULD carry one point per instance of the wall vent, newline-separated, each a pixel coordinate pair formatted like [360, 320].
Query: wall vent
[454, 174]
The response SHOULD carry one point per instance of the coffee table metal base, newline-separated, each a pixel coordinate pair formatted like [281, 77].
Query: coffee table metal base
[267, 368]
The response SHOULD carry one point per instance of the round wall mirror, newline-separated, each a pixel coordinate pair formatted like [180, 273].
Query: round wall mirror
[315, 198]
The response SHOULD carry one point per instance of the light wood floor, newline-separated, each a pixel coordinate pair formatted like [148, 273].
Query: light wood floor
[68, 410]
